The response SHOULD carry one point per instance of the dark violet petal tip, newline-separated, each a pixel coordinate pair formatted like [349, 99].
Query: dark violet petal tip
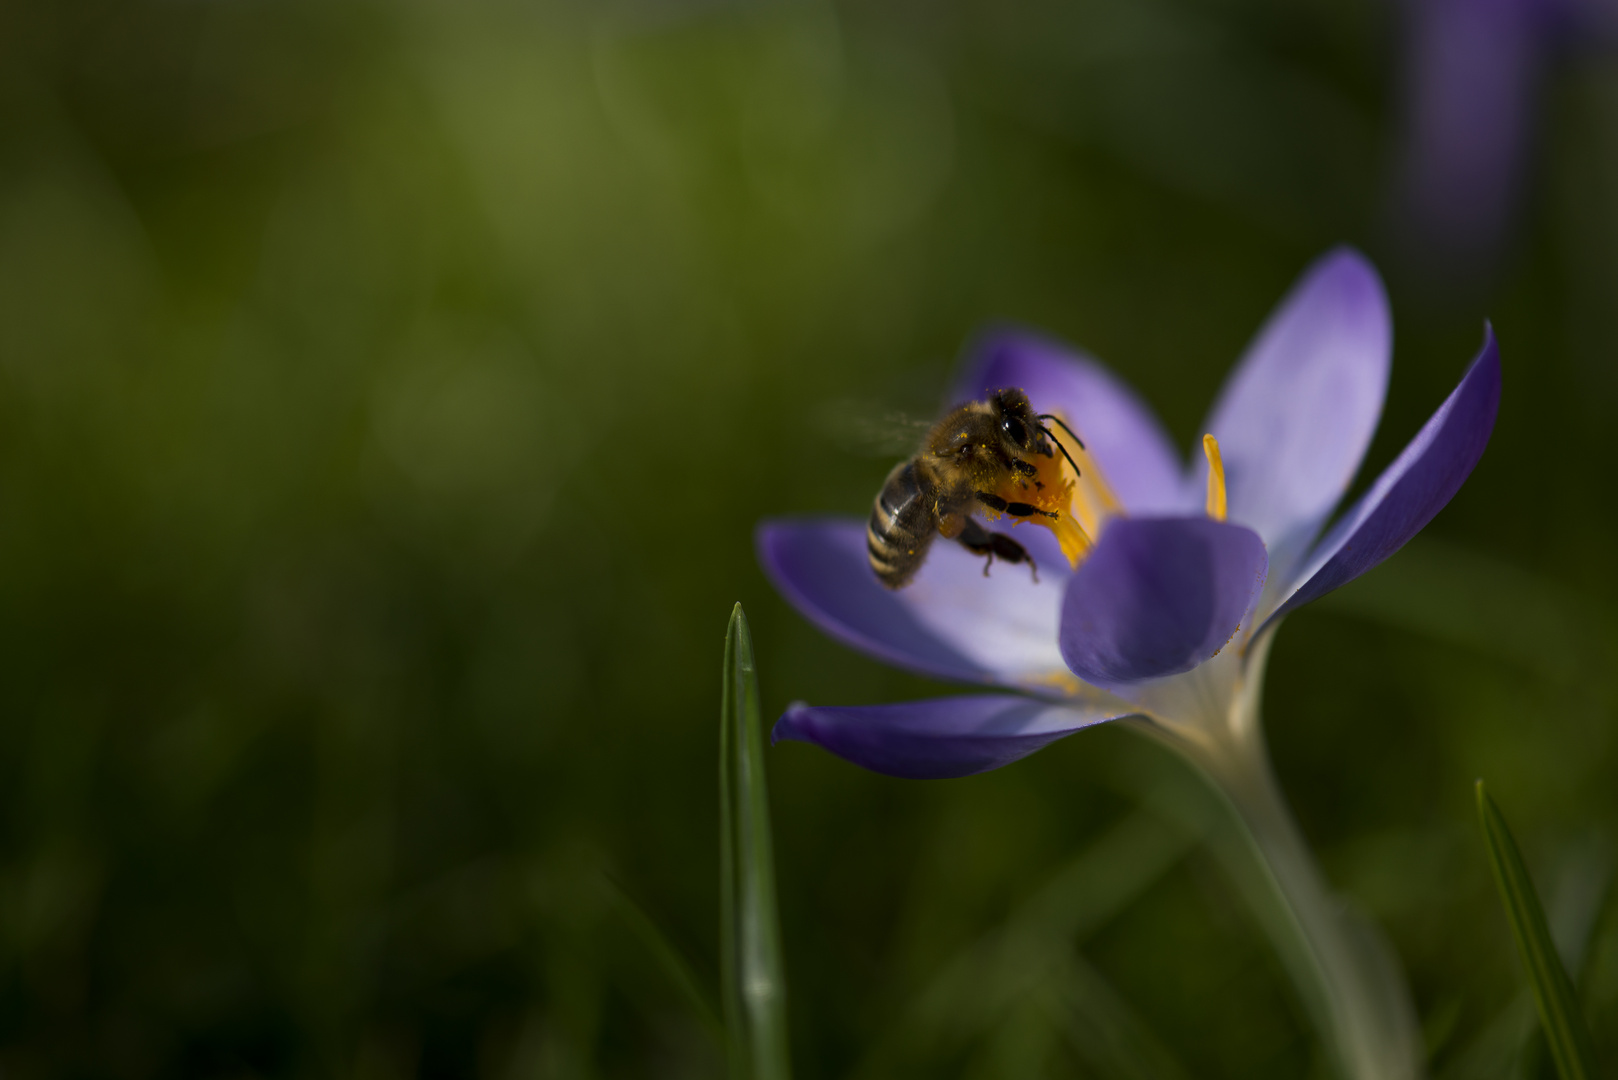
[1421, 480]
[941, 738]
[1158, 596]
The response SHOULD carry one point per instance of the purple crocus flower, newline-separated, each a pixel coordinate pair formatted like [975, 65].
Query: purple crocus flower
[1167, 618]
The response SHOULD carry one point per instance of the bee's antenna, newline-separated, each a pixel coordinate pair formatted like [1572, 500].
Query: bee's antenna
[1062, 448]
[1058, 419]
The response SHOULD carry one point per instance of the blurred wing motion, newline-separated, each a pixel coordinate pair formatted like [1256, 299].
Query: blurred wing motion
[866, 428]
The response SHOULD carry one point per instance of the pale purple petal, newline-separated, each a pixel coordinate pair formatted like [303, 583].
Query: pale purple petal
[951, 621]
[1158, 596]
[1421, 480]
[1117, 427]
[942, 738]
[1297, 414]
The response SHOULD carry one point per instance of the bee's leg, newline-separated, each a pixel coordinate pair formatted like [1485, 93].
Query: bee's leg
[991, 545]
[1026, 468]
[1015, 509]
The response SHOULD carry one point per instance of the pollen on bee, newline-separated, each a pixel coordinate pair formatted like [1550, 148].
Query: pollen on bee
[1050, 492]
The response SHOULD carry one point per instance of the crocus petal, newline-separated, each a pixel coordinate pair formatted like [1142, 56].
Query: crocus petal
[951, 621]
[1421, 480]
[942, 738]
[1158, 596]
[1297, 414]
[1117, 427]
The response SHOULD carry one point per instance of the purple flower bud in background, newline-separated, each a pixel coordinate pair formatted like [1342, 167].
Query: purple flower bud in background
[1474, 73]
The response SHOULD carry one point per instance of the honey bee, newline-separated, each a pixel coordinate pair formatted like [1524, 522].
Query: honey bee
[967, 461]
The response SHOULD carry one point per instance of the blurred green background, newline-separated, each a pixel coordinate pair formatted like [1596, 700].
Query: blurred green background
[387, 397]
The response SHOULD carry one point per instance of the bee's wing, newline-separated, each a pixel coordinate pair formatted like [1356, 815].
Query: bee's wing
[869, 429]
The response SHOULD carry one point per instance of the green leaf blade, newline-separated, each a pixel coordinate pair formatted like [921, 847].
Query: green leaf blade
[751, 970]
[1565, 1031]
[668, 957]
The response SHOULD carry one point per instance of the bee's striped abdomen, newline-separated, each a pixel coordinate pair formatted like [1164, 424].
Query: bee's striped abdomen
[901, 527]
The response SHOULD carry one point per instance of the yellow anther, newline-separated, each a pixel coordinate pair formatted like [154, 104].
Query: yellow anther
[1063, 682]
[1216, 478]
[1076, 543]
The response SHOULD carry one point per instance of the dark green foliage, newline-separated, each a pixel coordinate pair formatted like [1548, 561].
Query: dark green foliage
[1559, 1012]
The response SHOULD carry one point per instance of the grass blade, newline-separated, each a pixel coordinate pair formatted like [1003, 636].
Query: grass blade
[676, 968]
[1104, 1031]
[1559, 1014]
[751, 976]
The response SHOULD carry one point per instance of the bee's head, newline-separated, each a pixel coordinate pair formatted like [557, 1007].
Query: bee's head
[1018, 422]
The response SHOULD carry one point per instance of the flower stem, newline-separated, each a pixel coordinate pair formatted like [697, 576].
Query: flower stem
[1338, 960]
[1348, 977]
